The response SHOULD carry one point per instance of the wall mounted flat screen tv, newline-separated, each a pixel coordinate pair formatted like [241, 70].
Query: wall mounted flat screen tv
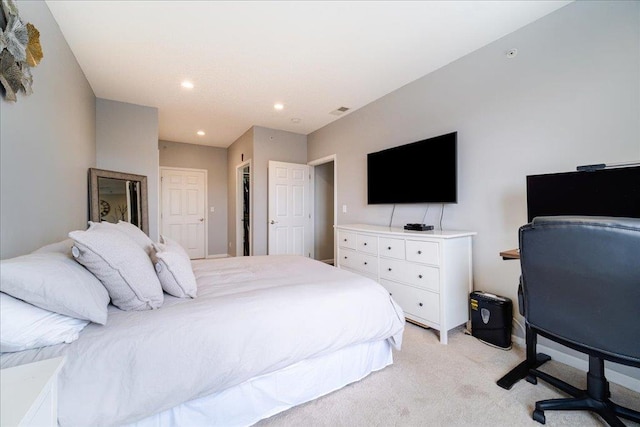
[420, 172]
[603, 192]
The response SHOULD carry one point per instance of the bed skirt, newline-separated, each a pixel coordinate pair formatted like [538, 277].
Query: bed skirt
[267, 395]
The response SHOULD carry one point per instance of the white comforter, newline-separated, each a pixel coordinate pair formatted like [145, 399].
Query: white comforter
[252, 316]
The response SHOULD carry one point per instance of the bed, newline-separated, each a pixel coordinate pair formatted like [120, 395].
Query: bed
[264, 333]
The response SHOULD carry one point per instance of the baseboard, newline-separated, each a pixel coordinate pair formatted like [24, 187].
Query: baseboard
[575, 362]
[218, 256]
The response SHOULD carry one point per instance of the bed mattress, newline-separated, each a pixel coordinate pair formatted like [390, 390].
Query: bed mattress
[253, 316]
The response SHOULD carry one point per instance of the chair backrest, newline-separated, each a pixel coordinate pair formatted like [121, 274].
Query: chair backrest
[581, 282]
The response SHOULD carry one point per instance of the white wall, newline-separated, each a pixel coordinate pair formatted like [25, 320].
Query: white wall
[127, 141]
[214, 161]
[47, 145]
[570, 97]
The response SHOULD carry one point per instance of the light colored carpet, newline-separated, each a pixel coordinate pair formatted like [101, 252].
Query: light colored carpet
[431, 384]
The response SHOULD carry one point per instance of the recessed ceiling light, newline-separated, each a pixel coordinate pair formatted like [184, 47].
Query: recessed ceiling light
[200, 132]
[278, 106]
[187, 84]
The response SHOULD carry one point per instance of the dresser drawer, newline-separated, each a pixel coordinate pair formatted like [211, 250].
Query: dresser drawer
[392, 248]
[424, 252]
[358, 261]
[392, 269]
[415, 302]
[347, 257]
[346, 239]
[418, 275]
[368, 244]
[423, 276]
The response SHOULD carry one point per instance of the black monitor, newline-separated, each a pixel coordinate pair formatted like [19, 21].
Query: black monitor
[604, 192]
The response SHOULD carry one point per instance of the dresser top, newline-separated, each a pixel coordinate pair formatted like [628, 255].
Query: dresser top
[399, 231]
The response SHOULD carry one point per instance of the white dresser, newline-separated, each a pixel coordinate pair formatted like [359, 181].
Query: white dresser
[427, 273]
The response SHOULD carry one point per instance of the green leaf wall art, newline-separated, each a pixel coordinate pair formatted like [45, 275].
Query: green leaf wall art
[20, 50]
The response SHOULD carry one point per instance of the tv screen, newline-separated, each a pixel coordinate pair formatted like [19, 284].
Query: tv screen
[420, 172]
[604, 192]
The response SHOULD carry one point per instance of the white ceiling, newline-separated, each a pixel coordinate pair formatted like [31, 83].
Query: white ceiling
[243, 57]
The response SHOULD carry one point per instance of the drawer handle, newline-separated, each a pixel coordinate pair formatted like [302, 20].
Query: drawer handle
[345, 257]
[419, 252]
[419, 276]
[389, 248]
[420, 304]
[365, 243]
[389, 268]
[345, 240]
[365, 263]
[390, 294]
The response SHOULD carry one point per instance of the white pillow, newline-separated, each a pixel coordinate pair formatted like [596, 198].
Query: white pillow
[122, 267]
[173, 267]
[55, 282]
[24, 326]
[63, 247]
[129, 230]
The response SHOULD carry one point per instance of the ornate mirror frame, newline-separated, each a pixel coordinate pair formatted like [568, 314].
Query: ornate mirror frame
[94, 196]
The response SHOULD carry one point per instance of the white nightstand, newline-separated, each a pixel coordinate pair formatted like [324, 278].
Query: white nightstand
[29, 394]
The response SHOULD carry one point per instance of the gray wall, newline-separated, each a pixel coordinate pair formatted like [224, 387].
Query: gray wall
[270, 144]
[214, 160]
[570, 97]
[323, 215]
[47, 144]
[127, 141]
[241, 149]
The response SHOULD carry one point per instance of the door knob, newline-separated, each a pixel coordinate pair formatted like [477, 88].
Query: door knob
[273, 222]
[201, 219]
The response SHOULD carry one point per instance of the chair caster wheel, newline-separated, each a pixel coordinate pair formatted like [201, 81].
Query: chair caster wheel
[532, 379]
[538, 416]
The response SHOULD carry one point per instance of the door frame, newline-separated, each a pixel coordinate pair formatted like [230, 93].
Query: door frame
[206, 204]
[239, 205]
[313, 163]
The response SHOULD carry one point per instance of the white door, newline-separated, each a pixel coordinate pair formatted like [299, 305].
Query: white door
[289, 210]
[183, 206]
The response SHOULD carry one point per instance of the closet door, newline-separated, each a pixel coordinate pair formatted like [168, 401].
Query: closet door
[183, 206]
[289, 210]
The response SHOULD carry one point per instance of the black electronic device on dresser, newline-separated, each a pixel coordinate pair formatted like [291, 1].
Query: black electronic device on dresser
[418, 227]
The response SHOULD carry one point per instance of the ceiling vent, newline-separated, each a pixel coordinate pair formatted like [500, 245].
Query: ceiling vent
[339, 111]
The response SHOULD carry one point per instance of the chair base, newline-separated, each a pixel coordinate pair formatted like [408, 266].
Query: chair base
[533, 360]
[595, 398]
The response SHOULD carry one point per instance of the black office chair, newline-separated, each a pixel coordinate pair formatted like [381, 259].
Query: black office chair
[581, 288]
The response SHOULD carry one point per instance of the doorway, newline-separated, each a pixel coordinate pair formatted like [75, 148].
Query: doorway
[183, 201]
[324, 208]
[243, 209]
